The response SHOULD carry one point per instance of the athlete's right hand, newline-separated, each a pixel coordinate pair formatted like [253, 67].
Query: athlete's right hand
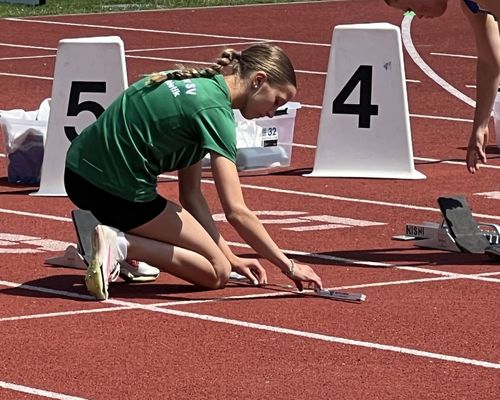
[303, 273]
[476, 150]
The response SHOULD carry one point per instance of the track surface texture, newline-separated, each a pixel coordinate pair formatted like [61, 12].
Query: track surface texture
[429, 327]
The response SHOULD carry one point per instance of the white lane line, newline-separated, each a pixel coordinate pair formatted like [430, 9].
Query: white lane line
[432, 160]
[41, 289]
[332, 339]
[426, 69]
[35, 215]
[27, 76]
[159, 31]
[305, 334]
[436, 117]
[480, 277]
[133, 306]
[38, 392]
[378, 264]
[423, 159]
[454, 55]
[63, 313]
[339, 198]
[31, 47]
[25, 57]
[198, 46]
[176, 60]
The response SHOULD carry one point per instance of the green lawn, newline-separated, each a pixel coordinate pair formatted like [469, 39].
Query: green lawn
[96, 6]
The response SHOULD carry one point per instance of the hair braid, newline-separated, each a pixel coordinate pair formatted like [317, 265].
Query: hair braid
[258, 57]
[228, 57]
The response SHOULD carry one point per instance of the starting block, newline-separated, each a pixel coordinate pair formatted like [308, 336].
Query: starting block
[458, 232]
[434, 235]
[79, 256]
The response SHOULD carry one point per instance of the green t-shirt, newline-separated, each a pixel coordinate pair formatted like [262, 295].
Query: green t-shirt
[151, 129]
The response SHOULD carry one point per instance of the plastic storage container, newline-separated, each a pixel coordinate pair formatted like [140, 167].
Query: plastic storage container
[264, 142]
[276, 140]
[24, 134]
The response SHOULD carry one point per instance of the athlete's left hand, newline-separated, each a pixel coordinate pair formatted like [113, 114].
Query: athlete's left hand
[250, 268]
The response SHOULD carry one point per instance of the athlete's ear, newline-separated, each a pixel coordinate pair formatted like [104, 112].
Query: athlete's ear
[259, 78]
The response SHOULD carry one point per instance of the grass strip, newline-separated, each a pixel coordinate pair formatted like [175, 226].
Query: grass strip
[57, 7]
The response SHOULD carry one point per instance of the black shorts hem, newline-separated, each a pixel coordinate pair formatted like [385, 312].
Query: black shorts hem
[108, 208]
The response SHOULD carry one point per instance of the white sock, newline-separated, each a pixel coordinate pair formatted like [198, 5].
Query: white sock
[121, 246]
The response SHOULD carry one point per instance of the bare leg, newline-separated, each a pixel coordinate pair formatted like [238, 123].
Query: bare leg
[176, 243]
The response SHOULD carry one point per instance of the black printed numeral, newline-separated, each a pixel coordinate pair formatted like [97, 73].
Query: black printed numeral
[365, 109]
[75, 107]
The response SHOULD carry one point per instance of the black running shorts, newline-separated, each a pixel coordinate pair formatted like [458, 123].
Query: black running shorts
[110, 209]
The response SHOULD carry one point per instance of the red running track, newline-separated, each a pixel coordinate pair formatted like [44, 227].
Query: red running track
[429, 328]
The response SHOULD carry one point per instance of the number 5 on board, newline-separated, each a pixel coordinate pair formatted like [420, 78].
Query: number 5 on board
[89, 74]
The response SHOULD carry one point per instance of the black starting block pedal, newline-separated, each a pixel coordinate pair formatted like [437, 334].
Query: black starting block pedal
[462, 226]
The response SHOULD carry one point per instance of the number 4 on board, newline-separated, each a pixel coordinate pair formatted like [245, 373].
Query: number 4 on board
[364, 109]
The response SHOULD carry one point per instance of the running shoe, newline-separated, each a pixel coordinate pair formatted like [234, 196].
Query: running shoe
[138, 271]
[104, 264]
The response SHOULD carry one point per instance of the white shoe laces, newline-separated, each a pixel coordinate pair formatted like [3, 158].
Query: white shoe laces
[115, 273]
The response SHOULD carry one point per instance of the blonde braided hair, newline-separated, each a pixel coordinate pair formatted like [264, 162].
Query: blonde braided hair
[228, 57]
[258, 57]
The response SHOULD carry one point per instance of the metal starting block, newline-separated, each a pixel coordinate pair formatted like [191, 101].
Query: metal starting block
[434, 235]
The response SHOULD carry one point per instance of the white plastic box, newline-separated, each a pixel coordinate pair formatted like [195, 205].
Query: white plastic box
[274, 139]
[264, 143]
[24, 135]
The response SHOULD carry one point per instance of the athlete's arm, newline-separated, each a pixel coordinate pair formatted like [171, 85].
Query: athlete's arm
[248, 225]
[493, 6]
[487, 39]
[192, 199]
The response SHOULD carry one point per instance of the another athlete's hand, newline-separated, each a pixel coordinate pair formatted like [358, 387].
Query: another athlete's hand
[303, 273]
[476, 150]
[251, 268]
